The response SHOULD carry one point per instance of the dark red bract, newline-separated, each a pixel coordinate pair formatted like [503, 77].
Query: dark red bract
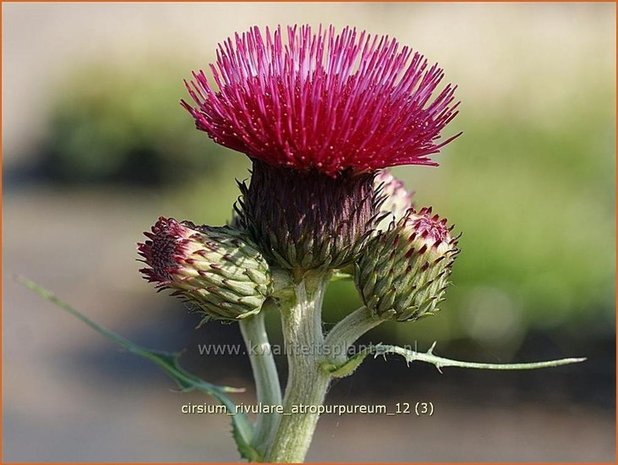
[323, 100]
[164, 250]
[430, 226]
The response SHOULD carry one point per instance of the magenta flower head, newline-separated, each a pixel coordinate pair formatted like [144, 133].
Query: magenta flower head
[319, 113]
[215, 269]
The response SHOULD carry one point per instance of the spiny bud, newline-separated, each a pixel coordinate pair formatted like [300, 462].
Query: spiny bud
[396, 200]
[404, 271]
[215, 268]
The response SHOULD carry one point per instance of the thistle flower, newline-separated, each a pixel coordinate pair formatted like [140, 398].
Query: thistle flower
[319, 114]
[404, 271]
[214, 268]
[323, 100]
[396, 199]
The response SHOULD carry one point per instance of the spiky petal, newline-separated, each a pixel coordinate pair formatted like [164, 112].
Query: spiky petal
[323, 100]
[216, 269]
[404, 271]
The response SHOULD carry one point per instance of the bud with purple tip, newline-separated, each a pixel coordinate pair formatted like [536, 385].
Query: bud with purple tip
[404, 271]
[215, 268]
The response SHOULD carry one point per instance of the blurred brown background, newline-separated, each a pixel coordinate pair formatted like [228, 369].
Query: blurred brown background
[96, 147]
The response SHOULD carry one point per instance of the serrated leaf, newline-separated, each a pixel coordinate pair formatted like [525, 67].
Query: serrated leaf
[347, 367]
[169, 362]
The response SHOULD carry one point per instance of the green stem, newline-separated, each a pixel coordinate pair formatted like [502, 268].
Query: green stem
[267, 386]
[307, 382]
[347, 331]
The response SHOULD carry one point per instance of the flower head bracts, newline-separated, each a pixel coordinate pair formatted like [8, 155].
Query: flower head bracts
[306, 220]
[429, 230]
[404, 271]
[168, 246]
[323, 100]
[216, 269]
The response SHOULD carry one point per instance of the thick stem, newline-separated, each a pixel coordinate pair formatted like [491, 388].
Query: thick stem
[266, 378]
[307, 383]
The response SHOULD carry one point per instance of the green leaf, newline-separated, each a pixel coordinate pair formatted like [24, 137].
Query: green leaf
[440, 362]
[169, 362]
[350, 365]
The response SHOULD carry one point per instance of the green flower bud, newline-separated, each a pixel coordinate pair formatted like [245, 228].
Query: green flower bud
[404, 271]
[216, 268]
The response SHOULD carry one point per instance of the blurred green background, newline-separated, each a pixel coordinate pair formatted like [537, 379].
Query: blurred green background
[97, 146]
